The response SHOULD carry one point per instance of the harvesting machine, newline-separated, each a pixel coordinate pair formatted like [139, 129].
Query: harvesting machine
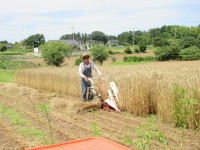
[106, 91]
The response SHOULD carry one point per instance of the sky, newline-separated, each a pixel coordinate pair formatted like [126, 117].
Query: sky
[21, 18]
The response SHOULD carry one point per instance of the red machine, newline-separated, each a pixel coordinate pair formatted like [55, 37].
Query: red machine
[93, 143]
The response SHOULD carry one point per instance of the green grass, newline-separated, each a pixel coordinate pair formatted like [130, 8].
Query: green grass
[7, 76]
[32, 132]
[7, 64]
[128, 63]
[120, 50]
[16, 51]
[95, 129]
[21, 125]
[14, 117]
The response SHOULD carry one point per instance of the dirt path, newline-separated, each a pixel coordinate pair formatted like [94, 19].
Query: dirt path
[8, 141]
[67, 126]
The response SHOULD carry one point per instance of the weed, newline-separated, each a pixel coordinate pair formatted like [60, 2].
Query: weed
[96, 112]
[14, 117]
[32, 133]
[45, 109]
[21, 125]
[129, 141]
[184, 107]
[148, 135]
[95, 129]
[113, 59]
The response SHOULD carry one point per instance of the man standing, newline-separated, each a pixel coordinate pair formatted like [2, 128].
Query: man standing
[85, 71]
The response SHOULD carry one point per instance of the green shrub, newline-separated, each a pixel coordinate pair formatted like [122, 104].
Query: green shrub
[192, 50]
[167, 53]
[138, 58]
[189, 57]
[110, 52]
[128, 50]
[55, 52]
[113, 59]
[142, 47]
[125, 58]
[78, 61]
[99, 54]
[137, 50]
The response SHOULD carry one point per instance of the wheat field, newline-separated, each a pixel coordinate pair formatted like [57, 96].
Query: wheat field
[145, 89]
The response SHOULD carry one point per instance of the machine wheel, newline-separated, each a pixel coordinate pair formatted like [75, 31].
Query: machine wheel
[89, 94]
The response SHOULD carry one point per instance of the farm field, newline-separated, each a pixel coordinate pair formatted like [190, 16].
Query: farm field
[71, 61]
[44, 107]
[24, 122]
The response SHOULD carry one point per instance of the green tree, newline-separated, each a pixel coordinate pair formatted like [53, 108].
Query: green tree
[142, 47]
[145, 38]
[66, 37]
[3, 42]
[160, 41]
[18, 45]
[168, 53]
[111, 37]
[3, 47]
[34, 40]
[99, 36]
[190, 51]
[126, 38]
[128, 50]
[55, 52]
[99, 54]
[187, 42]
[198, 41]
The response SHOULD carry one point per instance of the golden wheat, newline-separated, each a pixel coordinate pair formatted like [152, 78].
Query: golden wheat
[145, 89]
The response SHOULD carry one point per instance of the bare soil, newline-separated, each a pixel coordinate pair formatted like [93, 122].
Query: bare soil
[6, 141]
[69, 121]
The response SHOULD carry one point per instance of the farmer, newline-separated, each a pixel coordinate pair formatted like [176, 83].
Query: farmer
[85, 71]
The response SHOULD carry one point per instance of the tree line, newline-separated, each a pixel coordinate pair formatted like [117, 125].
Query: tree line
[158, 37]
[155, 36]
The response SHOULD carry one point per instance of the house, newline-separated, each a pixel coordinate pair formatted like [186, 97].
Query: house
[23, 47]
[113, 42]
[72, 43]
[9, 46]
[69, 42]
[92, 42]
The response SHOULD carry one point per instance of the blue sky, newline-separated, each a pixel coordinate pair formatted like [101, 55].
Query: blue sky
[53, 18]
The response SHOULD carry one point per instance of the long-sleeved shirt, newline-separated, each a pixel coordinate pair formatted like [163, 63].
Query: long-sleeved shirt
[83, 66]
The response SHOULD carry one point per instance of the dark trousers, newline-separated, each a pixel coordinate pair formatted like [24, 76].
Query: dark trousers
[84, 86]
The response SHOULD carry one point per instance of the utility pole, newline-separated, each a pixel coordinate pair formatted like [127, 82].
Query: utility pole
[133, 37]
[73, 32]
[175, 33]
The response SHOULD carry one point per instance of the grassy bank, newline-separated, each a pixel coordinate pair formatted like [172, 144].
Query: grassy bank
[7, 75]
[128, 63]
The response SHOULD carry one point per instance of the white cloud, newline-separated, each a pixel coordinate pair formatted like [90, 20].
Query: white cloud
[21, 18]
